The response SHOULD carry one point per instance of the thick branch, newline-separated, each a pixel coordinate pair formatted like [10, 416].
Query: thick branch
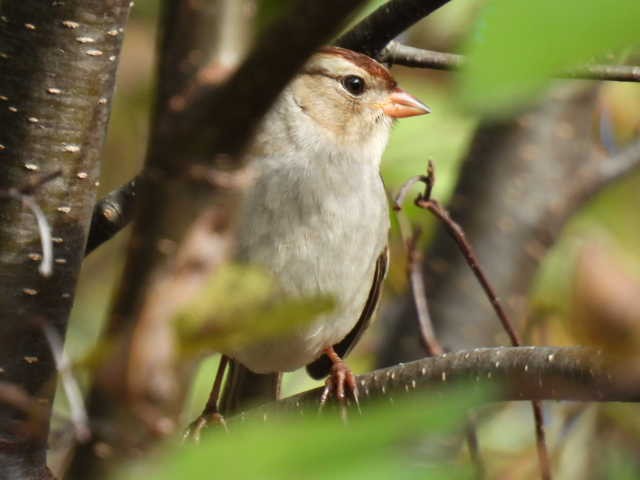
[515, 373]
[373, 33]
[398, 54]
[250, 92]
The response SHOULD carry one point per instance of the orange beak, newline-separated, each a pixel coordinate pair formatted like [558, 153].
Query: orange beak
[401, 105]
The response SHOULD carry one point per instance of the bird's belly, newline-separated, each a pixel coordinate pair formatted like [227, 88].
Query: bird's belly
[327, 250]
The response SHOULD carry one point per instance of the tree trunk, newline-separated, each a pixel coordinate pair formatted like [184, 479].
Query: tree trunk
[58, 63]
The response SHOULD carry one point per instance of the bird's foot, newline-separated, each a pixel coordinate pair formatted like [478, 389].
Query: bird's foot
[195, 428]
[341, 384]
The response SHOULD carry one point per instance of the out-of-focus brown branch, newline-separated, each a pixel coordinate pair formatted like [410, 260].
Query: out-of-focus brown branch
[398, 54]
[228, 115]
[11, 394]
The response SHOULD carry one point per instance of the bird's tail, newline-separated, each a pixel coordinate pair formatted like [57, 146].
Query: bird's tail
[244, 389]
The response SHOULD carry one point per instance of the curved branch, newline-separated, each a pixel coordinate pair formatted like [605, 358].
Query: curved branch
[517, 373]
[373, 33]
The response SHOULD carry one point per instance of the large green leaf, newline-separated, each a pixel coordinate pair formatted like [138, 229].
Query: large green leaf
[381, 443]
[519, 44]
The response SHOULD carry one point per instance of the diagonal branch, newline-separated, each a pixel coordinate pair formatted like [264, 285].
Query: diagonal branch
[373, 33]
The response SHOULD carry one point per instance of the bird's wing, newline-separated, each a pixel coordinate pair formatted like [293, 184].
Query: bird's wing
[320, 368]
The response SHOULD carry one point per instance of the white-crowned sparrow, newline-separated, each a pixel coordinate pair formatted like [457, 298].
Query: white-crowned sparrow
[317, 216]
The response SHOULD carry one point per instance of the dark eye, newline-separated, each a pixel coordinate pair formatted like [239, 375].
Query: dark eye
[353, 84]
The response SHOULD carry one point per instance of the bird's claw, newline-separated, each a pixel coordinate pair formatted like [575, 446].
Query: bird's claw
[341, 384]
[195, 428]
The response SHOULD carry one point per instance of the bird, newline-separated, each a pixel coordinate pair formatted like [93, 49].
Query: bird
[317, 216]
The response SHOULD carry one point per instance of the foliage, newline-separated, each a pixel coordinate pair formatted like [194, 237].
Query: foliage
[240, 303]
[379, 444]
[518, 45]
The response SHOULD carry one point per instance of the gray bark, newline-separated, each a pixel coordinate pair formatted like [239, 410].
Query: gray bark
[57, 71]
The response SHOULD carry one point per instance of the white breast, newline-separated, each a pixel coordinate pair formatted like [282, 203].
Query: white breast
[319, 226]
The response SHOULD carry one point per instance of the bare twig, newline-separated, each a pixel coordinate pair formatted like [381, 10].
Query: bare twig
[24, 194]
[458, 235]
[416, 279]
[79, 418]
[427, 332]
[425, 201]
[399, 54]
[46, 264]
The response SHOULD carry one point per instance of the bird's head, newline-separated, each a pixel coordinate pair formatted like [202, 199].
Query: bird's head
[351, 96]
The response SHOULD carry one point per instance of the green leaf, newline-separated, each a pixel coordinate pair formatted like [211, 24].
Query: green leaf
[519, 44]
[242, 304]
[381, 443]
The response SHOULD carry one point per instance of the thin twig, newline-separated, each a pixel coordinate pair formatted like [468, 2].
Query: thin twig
[416, 280]
[427, 332]
[78, 412]
[46, 264]
[471, 434]
[425, 201]
[416, 277]
[425, 324]
[398, 54]
[541, 442]
[24, 193]
[459, 237]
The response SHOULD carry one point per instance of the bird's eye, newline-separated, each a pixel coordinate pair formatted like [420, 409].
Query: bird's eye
[353, 84]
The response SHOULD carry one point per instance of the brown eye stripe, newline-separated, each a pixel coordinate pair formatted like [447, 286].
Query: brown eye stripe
[319, 71]
[366, 63]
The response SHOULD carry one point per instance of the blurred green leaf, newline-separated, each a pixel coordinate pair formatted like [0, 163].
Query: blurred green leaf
[379, 444]
[518, 45]
[242, 304]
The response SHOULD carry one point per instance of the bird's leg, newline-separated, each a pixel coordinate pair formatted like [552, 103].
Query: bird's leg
[210, 414]
[340, 380]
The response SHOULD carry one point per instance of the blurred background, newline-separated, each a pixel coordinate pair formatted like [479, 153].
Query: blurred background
[596, 257]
